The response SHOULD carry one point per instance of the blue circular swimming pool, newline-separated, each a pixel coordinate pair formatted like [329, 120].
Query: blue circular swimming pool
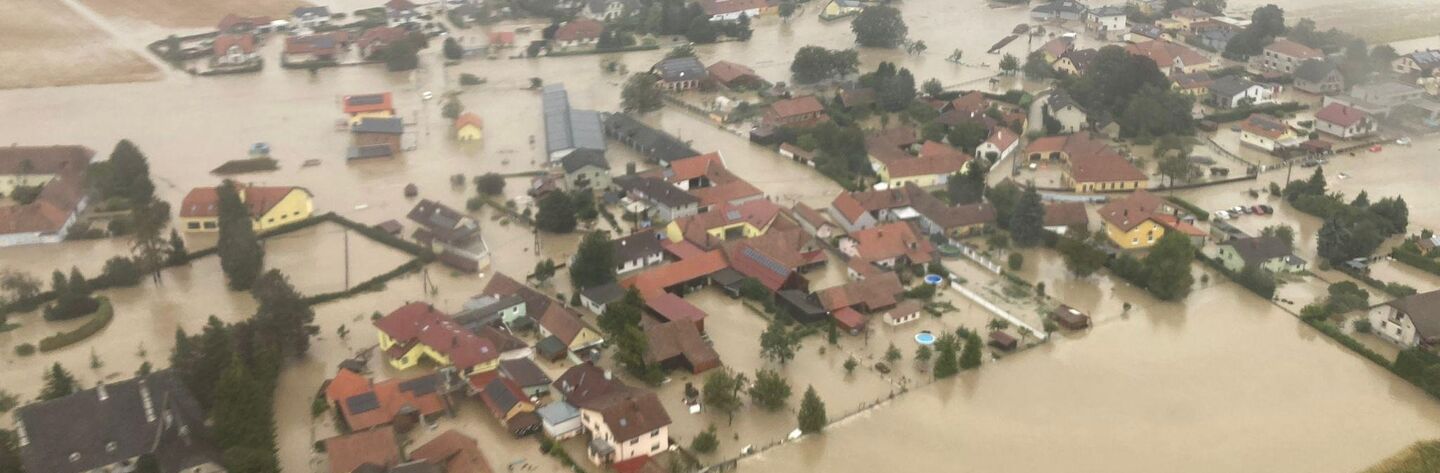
[925, 338]
[933, 279]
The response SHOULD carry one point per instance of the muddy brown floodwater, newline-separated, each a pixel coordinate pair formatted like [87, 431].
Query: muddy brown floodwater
[1222, 383]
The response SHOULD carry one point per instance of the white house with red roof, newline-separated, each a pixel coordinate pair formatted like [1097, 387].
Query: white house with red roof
[578, 32]
[1000, 145]
[59, 172]
[726, 10]
[233, 49]
[1344, 121]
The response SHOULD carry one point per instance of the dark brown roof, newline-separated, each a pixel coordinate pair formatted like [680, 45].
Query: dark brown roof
[1423, 310]
[525, 372]
[376, 447]
[455, 451]
[629, 413]
[796, 106]
[679, 338]
[1129, 212]
[584, 382]
[874, 292]
[580, 29]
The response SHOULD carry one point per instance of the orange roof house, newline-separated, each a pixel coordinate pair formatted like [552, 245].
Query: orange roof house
[874, 293]
[269, 206]
[799, 111]
[469, 127]
[417, 330]
[454, 451]
[377, 447]
[668, 276]
[579, 31]
[365, 404]
[369, 103]
[888, 245]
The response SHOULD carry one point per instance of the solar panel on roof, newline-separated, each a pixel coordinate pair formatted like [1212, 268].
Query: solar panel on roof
[362, 403]
[765, 261]
[420, 386]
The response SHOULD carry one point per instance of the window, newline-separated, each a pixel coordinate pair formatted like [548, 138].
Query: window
[193, 225]
[634, 440]
[209, 225]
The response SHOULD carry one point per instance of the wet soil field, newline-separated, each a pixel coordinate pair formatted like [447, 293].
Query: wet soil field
[49, 44]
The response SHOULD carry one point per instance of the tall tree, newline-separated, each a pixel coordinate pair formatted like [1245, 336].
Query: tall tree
[283, 316]
[1080, 257]
[1037, 66]
[947, 360]
[721, 392]
[1027, 219]
[814, 63]
[130, 174]
[10, 453]
[641, 94]
[778, 343]
[452, 49]
[968, 187]
[241, 413]
[879, 27]
[594, 261]
[58, 383]
[812, 415]
[241, 257]
[148, 242]
[1168, 267]
[557, 213]
[970, 356]
[770, 390]
[177, 252]
[1009, 64]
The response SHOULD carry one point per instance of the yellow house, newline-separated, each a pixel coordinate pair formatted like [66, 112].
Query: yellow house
[418, 332]
[568, 328]
[1103, 172]
[270, 207]
[932, 168]
[727, 222]
[841, 8]
[1130, 222]
[469, 127]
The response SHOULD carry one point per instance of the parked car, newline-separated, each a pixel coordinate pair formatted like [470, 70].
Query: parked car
[1222, 215]
[1403, 141]
[1255, 209]
[1238, 210]
[1267, 209]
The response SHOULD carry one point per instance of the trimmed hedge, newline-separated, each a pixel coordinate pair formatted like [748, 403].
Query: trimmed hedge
[101, 319]
[1245, 112]
[1199, 213]
[1258, 287]
[373, 284]
[1354, 345]
[1418, 261]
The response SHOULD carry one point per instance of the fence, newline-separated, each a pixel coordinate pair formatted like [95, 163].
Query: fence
[1039, 332]
[974, 255]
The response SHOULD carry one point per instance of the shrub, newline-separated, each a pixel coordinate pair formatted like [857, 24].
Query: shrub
[1361, 326]
[1016, 260]
[1199, 213]
[474, 204]
[470, 79]
[103, 314]
[119, 272]
[705, 442]
[25, 349]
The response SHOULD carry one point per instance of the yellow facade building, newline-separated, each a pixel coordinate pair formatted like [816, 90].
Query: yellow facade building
[269, 207]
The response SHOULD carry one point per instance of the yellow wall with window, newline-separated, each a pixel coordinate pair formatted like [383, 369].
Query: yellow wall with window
[1144, 235]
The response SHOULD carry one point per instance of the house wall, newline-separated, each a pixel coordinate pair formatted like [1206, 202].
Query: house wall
[1390, 324]
[1143, 235]
[584, 339]
[1361, 128]
[563, 430]
[355, 118]
[1230, 258]
[297, 205]
[1108, 186]
[469, 133]
[1332, 84]
[649, 443]
[1071, 119]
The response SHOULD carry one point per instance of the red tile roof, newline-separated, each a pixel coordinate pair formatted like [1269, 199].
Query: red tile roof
[653, 281]
[1264, 125]
[1129, 212]
[1173, 223]
[58, 198]
[872, 293]
[679, 338]
[1104, 167]
[674, 308]
[1066, 214]
[380, 35]
[726, 72]
[759, 213]
[973, 102]
[391, 396]
[502, 38]
[419, 322]
[1294, 49]
[456, 452]
[1003, 138]
[579, 30]
[468, 118]
[692, 167]
[1164, 53]
[377, 447]
[892, 240]
[797, 106]
[848, 318]
[245, 41]
[1341, 114]
[204, 202]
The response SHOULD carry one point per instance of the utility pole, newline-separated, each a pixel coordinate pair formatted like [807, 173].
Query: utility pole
[347, 259]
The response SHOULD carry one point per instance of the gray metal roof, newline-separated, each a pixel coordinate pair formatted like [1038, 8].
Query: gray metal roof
[1314, 70]
[680, 68]
[567, 128]
[557, 412]
[1230, 86]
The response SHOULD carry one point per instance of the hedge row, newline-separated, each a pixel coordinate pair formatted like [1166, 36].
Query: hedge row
[101, 319]
[1416, 260]
[1354, 345]
[1393, 289]
[373, 284]
[1199, 213]
[1260, 287]
[1245, 112]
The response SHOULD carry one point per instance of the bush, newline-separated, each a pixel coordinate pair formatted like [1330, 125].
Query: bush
[119, 272]
[922, 292]
[474, 204]
[470, 79]
[103, 314]
[705, 442]
[1016, 260]
[1199, 213]
[1405, 255]
[25, 349]
[25, 194]
[1361, 326]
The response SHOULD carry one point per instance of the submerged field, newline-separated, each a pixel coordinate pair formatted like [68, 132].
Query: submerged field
[46, 44]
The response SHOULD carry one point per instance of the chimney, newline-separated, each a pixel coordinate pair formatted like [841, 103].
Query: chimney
[100, 391]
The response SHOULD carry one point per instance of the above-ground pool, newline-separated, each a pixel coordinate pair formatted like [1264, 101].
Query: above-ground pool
[933, 279]
[925, 338]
